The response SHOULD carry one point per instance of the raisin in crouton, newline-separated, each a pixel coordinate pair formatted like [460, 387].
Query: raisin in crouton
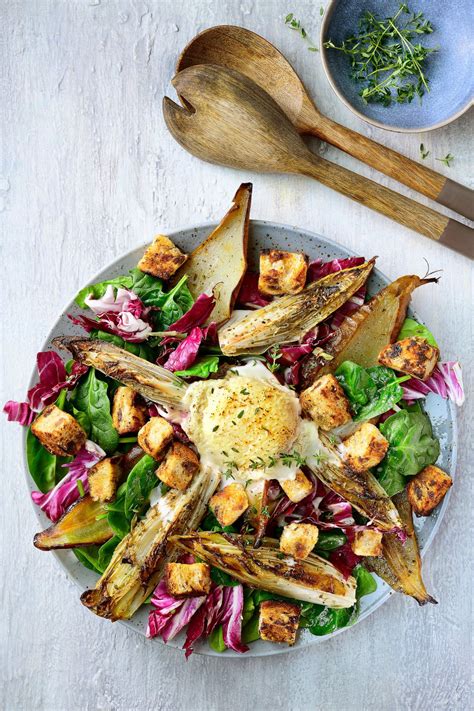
[325, 402]
[278, 621]
[161, 258]
[178, 467]
[188, 579]
[367, 542]
[103, 479]
[298, 488]
[365, 448]
[427, 489]
[413, 356]
[229, 503]
[282, 272]
[155, 436]
[299, 539]
[129, 412]
[59, 432]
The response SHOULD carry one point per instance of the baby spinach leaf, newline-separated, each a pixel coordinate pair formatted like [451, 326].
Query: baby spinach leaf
[250, 630]
[90, 397]
[216, 640]
[412, 447]
[41, 464]
[140, 482]
[99, 289]
[106, 551]
[220, 577]
[371, 391]
[365, 582]
[356, 383]
[329, 541]
[89, 557]
[174, 304]
[147, 287]
[83, 420]
[411, 327]
[202, 368]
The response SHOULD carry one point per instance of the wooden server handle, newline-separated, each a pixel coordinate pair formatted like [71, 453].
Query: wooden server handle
[408, 172]
[402, 209]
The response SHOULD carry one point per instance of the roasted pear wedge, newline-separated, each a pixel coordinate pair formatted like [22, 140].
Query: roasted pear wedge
[311, 580]
[139, 559]
[361, 337]
[400, 563]
[362, 490]
[83, 524]
[289, 318]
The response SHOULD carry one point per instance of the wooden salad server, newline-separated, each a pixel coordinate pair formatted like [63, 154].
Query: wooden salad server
[248, 53]
[229, 120]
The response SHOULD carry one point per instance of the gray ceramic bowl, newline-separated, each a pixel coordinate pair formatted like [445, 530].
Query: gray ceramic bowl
[263, 235]
[450, 70]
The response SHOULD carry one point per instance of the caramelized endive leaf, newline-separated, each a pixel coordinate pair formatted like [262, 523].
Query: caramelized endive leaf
[362, 490]
[400, 563]
[311, 580]
[84, 524]
[361, 336]
[139, 559]
[290, 317]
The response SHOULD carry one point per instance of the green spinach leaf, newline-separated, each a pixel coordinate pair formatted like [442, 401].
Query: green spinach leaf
[411, 327]
[202, 368]
[412, 447]
[140, 483]
[220, 577]
[106, 551]
[329, 541]
[91, 398]
[41, 464]
[365, 582]
[216, 640]
[371, 391]
[89, 557]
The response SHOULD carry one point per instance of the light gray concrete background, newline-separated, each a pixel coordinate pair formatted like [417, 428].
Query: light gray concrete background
[88, 171]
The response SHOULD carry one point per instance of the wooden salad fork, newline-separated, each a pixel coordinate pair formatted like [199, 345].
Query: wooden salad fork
[248, 53]
[229, 120]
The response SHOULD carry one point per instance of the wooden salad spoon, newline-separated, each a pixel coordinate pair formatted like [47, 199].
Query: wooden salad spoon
[229, 120]
[248, 53]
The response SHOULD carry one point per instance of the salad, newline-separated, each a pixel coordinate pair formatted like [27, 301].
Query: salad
[240, 451]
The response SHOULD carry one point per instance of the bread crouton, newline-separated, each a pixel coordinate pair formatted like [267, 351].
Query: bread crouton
[427, 489]
[188, 579]
[278, 621]
[299, 539]
[129, 412]
[413, 356]
[326, 403]
[229, 503]
[178, 467]
[103, 479]
[298, 488]
[282, 272]
[367, 542]
[59, 432]
[155, 436]
[161, 258]
[365, 448]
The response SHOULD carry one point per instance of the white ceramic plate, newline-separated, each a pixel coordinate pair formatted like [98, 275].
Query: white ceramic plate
[263, 235]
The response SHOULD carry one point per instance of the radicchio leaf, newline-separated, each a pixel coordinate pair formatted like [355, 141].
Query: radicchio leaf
[319, 269]
[249, 293]
[196, 316]
[185, 354]
[19, 412]
[233, 606]
[55, 502]
[446, 380]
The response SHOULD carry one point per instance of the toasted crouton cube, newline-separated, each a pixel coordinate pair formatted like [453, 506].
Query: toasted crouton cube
[161, 258]
[282, 272]
[103, 479]
[413, 356]
[188, 579]
[367, 542]
[155, 436]
[427, 489]
[229, 503]
[278, 621]
[298, 488]
[129, 412]
[365, 448]
[299, 539]
[178, 467]
[326, 403]
[59, 432]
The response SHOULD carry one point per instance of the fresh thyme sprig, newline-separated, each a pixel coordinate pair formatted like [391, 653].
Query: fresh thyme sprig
[295, 24]
[447, 160]
[385, 57]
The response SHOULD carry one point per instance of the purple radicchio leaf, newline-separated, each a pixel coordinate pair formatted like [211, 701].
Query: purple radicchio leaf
[196, 316]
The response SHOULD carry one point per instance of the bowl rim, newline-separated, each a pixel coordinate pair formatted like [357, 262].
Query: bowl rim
[174, 233]
[328, 13]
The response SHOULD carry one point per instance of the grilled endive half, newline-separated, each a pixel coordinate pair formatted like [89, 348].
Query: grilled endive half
[150, 380]
[138, 561]
[362, 490]
[311, 580]
[400, 563]
[289, 318]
